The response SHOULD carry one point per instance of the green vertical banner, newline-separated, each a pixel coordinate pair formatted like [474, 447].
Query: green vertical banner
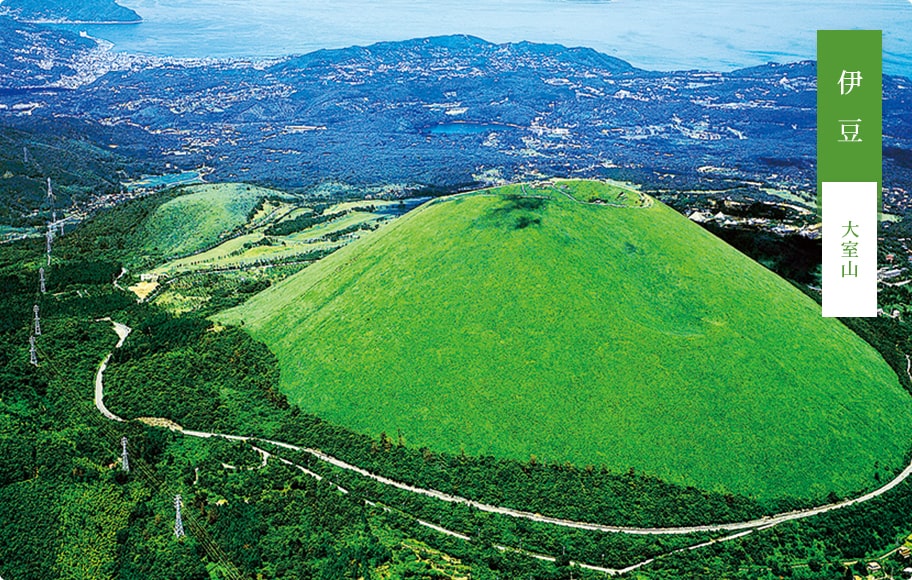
[849, 167]
[849, 111]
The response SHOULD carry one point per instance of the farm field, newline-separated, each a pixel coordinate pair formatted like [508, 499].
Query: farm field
[660, 349]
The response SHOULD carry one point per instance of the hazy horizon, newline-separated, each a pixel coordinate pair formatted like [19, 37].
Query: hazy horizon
[683, 34]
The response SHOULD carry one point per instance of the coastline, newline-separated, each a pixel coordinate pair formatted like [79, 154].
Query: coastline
[64, 21]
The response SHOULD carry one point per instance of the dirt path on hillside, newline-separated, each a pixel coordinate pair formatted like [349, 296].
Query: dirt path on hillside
[123, 331]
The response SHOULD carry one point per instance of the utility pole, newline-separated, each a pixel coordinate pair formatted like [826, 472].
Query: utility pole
[178, 524]
[125, 463]
[37, 321]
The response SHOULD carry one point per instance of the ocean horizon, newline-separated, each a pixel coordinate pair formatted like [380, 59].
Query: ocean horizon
[679, 35]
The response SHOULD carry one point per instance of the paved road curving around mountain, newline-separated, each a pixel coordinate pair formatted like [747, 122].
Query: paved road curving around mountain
[764, 522]
[743, 528]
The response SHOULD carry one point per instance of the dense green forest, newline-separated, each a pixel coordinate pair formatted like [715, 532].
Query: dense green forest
[71, 512]
[79, 171]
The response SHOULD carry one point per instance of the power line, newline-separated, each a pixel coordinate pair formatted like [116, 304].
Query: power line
[125, 459]
[49, 237]
[155, 483]
[178, 523]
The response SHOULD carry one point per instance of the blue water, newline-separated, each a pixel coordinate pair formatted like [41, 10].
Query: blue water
[167, 180]
[401, 208]
[667, 35]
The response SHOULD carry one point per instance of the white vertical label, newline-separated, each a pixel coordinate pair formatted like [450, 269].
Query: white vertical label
[849, 248]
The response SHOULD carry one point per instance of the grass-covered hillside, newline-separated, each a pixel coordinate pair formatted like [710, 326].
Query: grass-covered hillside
[201, 218]
[524, 321]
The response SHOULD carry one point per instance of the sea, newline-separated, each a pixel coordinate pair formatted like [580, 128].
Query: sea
[650, 34]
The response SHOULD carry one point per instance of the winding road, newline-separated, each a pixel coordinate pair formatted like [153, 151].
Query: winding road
[742, 528]
[122, 331]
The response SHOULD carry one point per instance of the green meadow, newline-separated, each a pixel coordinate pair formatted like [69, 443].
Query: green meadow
[193, 221]
[522, 322]
[191, 226]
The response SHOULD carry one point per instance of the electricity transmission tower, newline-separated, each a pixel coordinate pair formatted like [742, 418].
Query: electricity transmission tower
[49, 237]
[178, 524]
[41, 280]
[33, 354]
[125, 464]
[37, 321]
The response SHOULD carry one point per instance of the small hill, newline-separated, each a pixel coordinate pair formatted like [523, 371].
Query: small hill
[200, 218]
[580, 322]
[153, 229]
[71, 11]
